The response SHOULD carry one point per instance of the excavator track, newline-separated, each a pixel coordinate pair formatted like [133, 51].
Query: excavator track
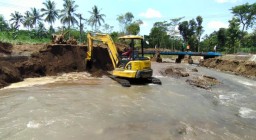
[123, 82]
[126, 83]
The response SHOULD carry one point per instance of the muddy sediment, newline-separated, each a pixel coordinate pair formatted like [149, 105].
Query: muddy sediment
[205, 82]
[200, 81]
[238, 67]
[175, 72]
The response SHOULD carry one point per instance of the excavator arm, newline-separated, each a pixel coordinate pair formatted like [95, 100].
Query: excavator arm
[106, 39]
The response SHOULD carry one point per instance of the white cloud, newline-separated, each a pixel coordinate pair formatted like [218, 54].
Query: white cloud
[216, 25]
[8, 7]
[226, 1]
[151, 13]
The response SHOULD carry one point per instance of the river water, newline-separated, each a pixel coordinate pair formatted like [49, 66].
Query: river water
[77, 106]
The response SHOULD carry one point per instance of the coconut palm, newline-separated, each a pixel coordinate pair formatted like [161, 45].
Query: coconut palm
[35, 16]
[68, 14]
[50, 12]
[96, 17]
[16, 19]
[27, 22]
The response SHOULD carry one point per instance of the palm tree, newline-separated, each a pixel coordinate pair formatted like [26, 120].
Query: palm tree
[16, 18]
[50, 12]
[68, 13]
[27, 22]
[35, 16]
[96, 17]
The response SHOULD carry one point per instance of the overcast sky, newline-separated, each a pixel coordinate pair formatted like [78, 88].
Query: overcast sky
[215, 13]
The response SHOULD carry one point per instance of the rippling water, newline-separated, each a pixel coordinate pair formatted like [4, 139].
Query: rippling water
[76, 106]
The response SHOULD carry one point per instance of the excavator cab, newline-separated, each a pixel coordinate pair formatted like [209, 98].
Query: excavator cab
[135, 50]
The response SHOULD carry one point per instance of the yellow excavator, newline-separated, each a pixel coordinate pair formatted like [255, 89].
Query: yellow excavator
[135, 69]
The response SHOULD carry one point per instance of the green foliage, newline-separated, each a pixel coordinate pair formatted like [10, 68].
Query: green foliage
[158, 35]
[133, 29]
[3, 24]
[222, 38]
[127, 25]
[125, 20]
[246, 13]
[233, 34]
[23, 37]
[114, 36]
[209, 42]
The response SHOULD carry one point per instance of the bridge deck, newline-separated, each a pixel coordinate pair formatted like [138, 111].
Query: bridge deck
[207, 54]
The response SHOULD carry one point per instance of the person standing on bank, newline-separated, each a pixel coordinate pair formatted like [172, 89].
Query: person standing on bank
[188, 47]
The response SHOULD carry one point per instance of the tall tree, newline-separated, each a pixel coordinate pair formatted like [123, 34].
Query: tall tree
[16, 19]
[50, 12]
[184, 30]
[81, 26]
[246, 14]
[68, 13]
[3, 23]
[158, 35]
[107, 28]
[222, 38]
[188, 30]
[233, 33]
[133, 28]
[173, 26]
[35, 16]
[27, 22]
[199, 31]
[96, 17]
[125, 20]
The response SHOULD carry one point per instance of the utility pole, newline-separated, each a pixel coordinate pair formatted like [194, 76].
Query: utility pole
[81, 26]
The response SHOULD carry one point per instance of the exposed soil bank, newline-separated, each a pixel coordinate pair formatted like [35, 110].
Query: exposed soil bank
[45, 60]
[244, 68]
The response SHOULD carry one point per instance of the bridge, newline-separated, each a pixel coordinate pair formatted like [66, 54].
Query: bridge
[181, 55]
[204, 54]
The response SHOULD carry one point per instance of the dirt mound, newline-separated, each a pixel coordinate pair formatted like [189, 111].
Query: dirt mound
[101, 59]
[49, 60]
[244, 68]
[205, 82]
[175, 72]
[54, 59]
[5, 48]
[27, 49]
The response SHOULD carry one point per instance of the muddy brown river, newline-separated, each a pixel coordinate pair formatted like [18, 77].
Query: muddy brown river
[78, 107]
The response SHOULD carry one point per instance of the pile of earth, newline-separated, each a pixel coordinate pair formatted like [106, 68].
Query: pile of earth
[5, 48]
[238, 67]
[201, 81]
[45, 60]
[204, 81]
[176, 72]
